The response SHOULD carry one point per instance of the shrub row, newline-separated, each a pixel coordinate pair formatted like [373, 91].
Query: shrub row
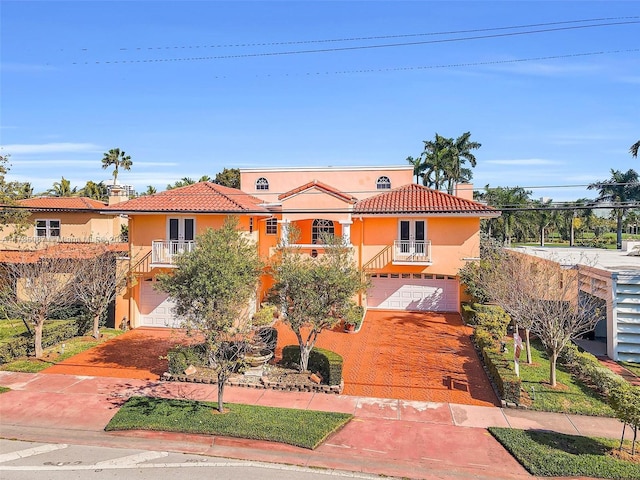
[181, 356]
[504, 377]
[588, 369]
[328, 363]
[53, 332]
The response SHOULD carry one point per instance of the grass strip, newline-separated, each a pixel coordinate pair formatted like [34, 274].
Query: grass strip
[4, 389]
[302, 428]
[551, 454]
[56, 354]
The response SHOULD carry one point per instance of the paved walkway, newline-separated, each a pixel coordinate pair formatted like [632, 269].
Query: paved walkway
[402, 355]
[389, 437]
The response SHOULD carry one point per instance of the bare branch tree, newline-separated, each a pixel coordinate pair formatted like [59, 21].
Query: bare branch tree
[101, 277]
[37, 284]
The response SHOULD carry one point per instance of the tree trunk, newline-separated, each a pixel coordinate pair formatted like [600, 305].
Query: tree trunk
[571, 233]
[619, 229]
[527, 334]
[96, 326]
[624, 427]
[542, 237]
[553, 358]
[305, 350]
[38, 337]
[221, 381]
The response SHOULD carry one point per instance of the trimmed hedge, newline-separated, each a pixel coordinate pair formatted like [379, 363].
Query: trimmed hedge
[328, 363]
[468, 314]
[504, 377]
[180, 357]
[53, 332]
[587, 367]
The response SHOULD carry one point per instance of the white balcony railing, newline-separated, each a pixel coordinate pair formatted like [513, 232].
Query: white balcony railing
[165, 252]
[412, 251]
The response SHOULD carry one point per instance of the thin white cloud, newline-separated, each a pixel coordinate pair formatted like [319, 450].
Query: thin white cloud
[50, 147]
[54, 162]
[523, 161]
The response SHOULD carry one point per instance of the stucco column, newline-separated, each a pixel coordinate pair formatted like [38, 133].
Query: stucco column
[346, 230]
[284, 232]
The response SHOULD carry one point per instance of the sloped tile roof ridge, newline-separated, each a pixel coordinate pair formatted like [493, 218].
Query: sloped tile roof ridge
[414, 198]
[322, 186]
[44, 201]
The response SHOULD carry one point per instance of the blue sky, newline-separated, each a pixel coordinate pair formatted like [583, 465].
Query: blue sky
[188, 88]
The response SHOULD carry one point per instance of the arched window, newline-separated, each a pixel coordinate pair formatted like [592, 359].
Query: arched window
[321, 228]
[262, 184]
[383, 183]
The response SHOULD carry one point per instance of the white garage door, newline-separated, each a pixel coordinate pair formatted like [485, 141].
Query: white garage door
[417, 292]
[156, 310]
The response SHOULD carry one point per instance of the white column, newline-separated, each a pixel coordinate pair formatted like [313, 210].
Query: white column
[346, 230]
[284, 232]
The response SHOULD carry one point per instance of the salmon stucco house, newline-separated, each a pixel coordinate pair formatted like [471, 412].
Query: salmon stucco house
[410, 240]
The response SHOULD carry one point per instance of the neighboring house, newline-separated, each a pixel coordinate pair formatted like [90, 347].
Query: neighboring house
[410, 240]
[615, 275]
[63, 220]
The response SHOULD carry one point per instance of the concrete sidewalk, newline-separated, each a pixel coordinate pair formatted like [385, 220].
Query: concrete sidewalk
[388, 437]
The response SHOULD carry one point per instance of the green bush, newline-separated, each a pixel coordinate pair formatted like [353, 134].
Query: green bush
[468, 314]
[53, 332]
[328, 363]
[493, 318]
[509, 385]
[483, 338]
[180, 357]
[587, 367]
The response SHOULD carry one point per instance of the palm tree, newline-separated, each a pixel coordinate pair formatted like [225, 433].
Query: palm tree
[459, 153]
[435, 156]
[151, 190]
[62, 189]
[118, 159]
[97, 191]
[634, 149]
[183, 182]
[418, 166]
[507, 200]
[619, 190]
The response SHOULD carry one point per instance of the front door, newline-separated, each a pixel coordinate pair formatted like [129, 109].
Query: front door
[412, 235]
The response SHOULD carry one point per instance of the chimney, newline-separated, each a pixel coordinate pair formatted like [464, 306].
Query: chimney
[117, 195]
[464, 190]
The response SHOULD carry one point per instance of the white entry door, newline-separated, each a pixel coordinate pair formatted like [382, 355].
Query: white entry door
[412, 235]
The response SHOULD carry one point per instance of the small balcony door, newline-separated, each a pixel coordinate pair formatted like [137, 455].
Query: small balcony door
[412, 234]
[181, 229]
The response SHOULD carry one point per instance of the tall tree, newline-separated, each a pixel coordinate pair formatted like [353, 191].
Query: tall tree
[634, 149]
[212, 286]
[460, 152]
[10, 192]
[315, 293]
[119, 159]
[63, 189]
[229, 177]
[619, 190]
[36, 288]
[505, 199]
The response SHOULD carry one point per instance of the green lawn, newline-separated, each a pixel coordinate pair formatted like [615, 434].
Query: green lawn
[4, 389]
[57, 353]
[570, 396]
[302, 428]
[551, 454]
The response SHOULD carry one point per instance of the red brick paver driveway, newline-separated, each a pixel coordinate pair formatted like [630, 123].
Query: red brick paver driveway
[411, 356]
[401, 355]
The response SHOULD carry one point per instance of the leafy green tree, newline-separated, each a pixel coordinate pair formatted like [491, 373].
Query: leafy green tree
[119, 159]
[625, 401]
[63, 189]
[460, 152]
[212, 287]
[315, 294]
[229, 177]
[620, 190]
[151, 190]
[543, 214]
[183, 182]
[97, 191]
[505, 199]
[10, 192]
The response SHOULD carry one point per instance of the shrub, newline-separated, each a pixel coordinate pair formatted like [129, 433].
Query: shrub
[587, 367]
[509, 385]
[53, 332]
[328, 363]
[468, 314]
[180, 357]
[483, 338]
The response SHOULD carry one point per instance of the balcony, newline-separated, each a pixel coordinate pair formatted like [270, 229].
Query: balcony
[164, 253]
[410, 252]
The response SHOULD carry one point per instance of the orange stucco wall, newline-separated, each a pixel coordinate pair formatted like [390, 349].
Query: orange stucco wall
[359, 182]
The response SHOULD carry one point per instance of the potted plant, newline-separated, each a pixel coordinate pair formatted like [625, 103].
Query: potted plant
[353, 319]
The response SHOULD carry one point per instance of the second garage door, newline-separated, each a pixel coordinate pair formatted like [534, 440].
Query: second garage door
[436, 293]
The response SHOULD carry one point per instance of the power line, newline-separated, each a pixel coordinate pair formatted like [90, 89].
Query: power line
[364, 47]
[377, 37]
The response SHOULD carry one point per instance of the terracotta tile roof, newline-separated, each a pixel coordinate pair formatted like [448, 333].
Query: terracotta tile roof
[201, 197]
[62, 203]
[61, 250]
[415, 198]
[320, 186]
